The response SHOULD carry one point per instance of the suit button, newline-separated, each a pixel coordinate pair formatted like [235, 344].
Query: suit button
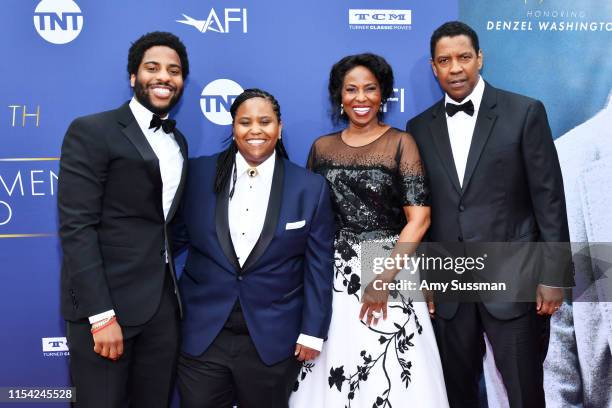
[461, 208]
[460, 238]
[239, 277]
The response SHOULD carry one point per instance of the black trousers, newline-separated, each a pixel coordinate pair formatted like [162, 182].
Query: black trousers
[519, 346]
[143, 376]
[230, 371]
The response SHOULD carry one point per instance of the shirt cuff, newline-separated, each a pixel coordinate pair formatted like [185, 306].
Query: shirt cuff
[310, 341]
[101, 316]
[555, 287]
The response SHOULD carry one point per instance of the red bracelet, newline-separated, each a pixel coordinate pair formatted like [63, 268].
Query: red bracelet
[97, 329]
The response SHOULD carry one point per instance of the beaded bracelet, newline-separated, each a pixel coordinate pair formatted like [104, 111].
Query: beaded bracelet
[96, 327]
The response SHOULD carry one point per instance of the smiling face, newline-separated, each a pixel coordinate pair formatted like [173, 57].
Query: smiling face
[361, 96]
[158, 84]
[457, 66]
[256, 129]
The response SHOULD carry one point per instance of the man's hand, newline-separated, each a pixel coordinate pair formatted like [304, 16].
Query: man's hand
[431, 306]
[374, 302]
[108, 342]
[548, 300]
[303, 353]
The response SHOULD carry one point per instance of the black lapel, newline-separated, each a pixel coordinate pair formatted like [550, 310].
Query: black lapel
[484, 124]
[132, 131]
[439, 131]
[272, 214]
[180, 140]
[222, 226]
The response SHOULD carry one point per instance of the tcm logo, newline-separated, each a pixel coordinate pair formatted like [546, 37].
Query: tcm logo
[217, 98]
[232, 18]
[55, 346]
[378, 17]
[58, 21]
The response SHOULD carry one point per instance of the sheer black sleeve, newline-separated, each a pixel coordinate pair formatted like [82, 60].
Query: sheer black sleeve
[412, 178]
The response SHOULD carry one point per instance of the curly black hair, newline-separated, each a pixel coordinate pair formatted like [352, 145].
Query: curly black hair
[141, 45]
[375, 63]
[453, 29]
[227, 158]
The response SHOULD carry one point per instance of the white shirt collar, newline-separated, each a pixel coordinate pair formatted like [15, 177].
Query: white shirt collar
[265, 169]
[143, 115]
[475, 96]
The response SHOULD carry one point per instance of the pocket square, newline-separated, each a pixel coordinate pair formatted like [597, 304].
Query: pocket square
[295, 225]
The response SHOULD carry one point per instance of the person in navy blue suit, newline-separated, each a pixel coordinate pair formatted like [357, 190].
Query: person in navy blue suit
[257, 284]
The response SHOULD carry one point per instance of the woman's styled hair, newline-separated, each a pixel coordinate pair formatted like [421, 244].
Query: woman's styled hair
[376, 64]
[227, 158]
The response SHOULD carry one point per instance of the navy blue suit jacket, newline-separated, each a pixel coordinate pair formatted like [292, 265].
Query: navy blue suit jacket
[285, 285]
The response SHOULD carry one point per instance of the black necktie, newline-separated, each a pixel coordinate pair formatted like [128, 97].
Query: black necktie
[167, 125]
[467, 107]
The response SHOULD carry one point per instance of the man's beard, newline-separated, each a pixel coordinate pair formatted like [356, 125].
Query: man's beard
[143, 97]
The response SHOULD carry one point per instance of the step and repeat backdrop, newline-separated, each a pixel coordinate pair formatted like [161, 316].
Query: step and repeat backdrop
[63, 59]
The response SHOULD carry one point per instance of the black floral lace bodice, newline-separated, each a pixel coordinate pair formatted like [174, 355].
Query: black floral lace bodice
[371, 184]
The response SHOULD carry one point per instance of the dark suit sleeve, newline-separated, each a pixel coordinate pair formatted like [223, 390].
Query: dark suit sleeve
[179, 236]
[319, 268]
[83, 170]
[547, 195]
[409, 126]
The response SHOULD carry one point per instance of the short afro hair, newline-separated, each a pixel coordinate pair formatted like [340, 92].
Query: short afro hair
[374, 63]
[453, 29]
[141, 45]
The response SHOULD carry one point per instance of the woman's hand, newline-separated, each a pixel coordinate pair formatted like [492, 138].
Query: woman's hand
[374, 301]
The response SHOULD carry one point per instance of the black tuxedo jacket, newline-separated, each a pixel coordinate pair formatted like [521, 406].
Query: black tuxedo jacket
[112, 226]
[512, 189]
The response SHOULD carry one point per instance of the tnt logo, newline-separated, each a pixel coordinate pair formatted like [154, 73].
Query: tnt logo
[53, 344]
[217, 98]
[58, 21]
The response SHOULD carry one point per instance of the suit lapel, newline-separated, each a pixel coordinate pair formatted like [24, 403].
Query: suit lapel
[272, 214]
[222, 226]
[132, 131]
[484, 124]
[439, 132]
[180, 140]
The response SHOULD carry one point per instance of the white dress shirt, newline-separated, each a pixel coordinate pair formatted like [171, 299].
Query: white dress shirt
[167, 151]
[461, 128]
[247, 214]
[170, 158]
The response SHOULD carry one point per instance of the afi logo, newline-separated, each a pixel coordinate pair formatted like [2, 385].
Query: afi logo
[58, 21]
[50, 344]
[213, 23]
[397, 97]
[369, 16]
[217, 98]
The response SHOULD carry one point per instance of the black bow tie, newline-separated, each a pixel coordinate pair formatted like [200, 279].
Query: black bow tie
[467, 107]
[167, 125]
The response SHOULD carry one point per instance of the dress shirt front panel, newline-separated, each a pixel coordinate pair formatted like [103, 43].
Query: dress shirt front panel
[461, 128]
[167, 151]
[249, 204]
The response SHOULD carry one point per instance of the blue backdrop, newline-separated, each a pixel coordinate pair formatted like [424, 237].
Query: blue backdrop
[64, 58]
[282, 47]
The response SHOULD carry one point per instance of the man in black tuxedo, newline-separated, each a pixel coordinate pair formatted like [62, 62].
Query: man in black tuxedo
[494, 177]
[121, 179]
